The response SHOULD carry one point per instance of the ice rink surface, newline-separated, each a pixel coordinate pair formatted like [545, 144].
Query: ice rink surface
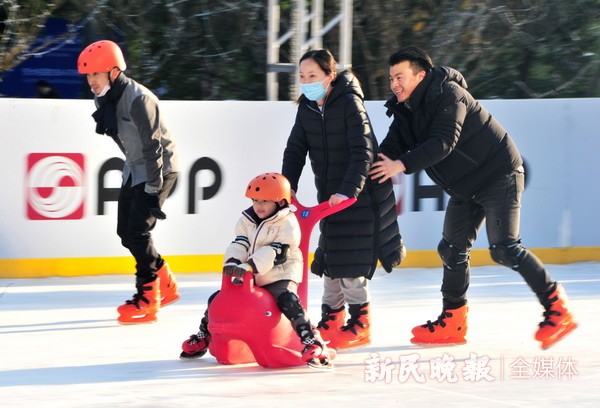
[60, 346]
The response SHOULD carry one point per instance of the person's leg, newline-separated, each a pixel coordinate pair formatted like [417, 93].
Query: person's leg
[333, 309]
[333, 295]
[462, 221]
[357, 330]
[134, 226]
[168, 284]
[139, 230]
[503, 210]
[124, 204]
[144, 304]
[285, 292]
[197, 344]
[502, 202]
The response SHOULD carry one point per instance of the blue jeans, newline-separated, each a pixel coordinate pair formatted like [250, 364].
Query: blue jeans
[499, 205]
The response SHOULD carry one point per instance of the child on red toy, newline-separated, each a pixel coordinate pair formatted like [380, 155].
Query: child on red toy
[267, 244]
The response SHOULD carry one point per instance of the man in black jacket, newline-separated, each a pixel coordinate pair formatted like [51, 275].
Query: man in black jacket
[439, 127]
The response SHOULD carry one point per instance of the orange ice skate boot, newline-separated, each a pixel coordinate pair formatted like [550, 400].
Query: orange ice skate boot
[357, 330]
[331, 322]
[449, 328]
[144, 305]
[168, 286]
[558, 320]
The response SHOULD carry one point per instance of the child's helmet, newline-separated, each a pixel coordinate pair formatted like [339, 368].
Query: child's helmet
[101, 56]
[269, 186]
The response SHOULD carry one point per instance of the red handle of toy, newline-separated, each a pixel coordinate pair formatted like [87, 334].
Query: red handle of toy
[307, 218]
[247, 283]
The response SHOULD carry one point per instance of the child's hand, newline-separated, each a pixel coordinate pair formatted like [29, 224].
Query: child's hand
[232, 269]
[281, 252]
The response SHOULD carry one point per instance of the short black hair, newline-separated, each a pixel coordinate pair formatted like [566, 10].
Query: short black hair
[418, 58]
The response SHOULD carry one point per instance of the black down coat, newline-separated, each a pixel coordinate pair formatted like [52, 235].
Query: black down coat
[450, 135]
[341, 147]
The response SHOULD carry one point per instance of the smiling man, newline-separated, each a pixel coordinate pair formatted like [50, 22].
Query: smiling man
[440, 128]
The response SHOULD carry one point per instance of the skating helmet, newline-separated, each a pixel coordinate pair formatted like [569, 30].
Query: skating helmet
[101, 56]
[269, 186]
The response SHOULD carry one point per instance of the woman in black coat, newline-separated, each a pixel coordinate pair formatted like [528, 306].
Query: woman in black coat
[333, 128]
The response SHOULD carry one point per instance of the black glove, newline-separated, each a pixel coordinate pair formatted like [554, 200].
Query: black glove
[154, 206]
[281, 252]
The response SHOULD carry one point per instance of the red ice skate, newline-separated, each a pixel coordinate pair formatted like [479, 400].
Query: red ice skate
[331, 322]
[558, 320]
[357, 330]
[144, 305]
[168, 286]
[449, 328]
[196, 346]
[315, 353]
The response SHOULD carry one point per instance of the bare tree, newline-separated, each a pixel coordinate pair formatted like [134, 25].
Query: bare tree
[215, 49]
[186, 49]
[21, 24]
[506, 48]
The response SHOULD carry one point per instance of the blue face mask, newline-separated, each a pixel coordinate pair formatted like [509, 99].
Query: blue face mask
[314, 91]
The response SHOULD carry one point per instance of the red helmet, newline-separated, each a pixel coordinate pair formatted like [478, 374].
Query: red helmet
[269, 186]
[101, 56]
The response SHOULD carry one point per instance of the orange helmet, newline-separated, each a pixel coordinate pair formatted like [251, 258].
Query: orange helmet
[101, 56]
[269, 186]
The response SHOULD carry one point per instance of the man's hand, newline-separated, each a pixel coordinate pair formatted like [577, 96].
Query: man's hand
[153, 206]
[386, 168]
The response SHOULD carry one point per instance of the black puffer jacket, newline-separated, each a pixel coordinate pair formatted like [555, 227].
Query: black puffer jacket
[341, 146]
[447, 133]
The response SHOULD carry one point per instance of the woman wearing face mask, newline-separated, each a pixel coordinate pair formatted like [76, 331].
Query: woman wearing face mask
[333, 128]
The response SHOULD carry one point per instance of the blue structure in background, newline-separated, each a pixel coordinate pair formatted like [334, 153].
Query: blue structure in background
[56, 64]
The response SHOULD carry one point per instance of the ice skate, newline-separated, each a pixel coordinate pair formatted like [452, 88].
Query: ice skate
[449, 328]
[558, 320]
[331, 322]
[144, 305]
[168, 286]
[320, 358]
[357, 330]
[316, 353]
[195, 346]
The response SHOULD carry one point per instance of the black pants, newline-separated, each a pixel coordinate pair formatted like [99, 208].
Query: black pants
[134, 226]
[499, 204]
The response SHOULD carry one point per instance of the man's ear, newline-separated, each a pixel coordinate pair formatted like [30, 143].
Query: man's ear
[114, 73]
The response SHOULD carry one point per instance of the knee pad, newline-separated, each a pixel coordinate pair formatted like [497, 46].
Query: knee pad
[290, 306]
[452, 256]
[509, 254]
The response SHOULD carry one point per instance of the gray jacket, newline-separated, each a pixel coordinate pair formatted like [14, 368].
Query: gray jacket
[145, 140]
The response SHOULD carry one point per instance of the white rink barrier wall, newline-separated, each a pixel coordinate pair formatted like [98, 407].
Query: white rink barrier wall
[61, 180]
